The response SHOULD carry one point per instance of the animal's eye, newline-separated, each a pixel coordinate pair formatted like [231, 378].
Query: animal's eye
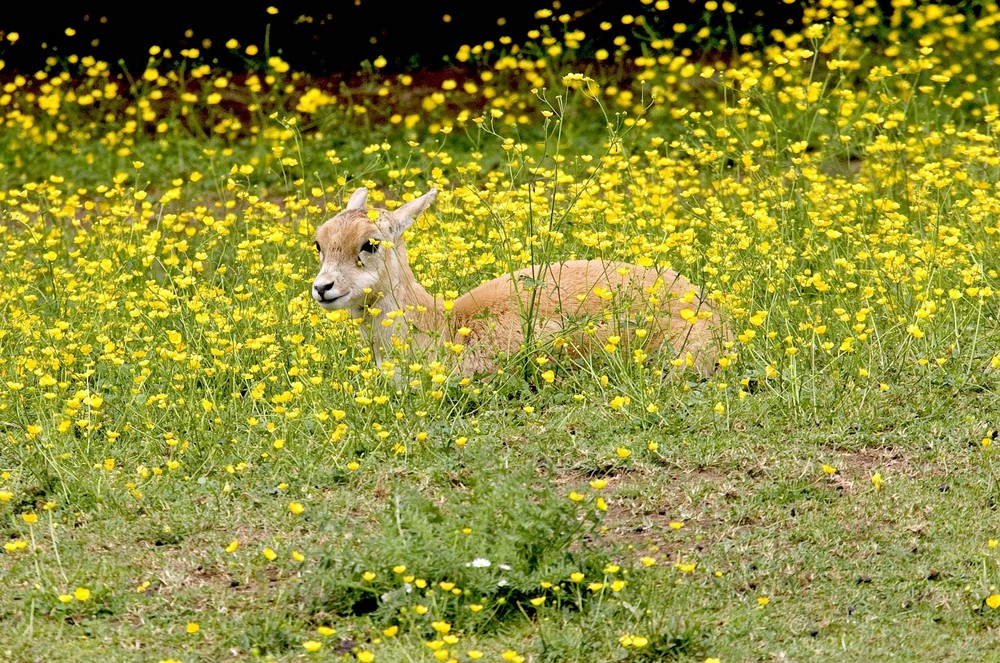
[370, 246]
[318, 250]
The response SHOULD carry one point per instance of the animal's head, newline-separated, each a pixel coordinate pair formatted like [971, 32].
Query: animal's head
[361, 250]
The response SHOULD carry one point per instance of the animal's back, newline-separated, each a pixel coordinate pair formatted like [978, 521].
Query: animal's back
[584, 303]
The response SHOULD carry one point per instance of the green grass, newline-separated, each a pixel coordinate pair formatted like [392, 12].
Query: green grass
[849, 571]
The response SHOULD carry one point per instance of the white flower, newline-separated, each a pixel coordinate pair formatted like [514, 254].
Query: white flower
[479, 563]
[407, 588]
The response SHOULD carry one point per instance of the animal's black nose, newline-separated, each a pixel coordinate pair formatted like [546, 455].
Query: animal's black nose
[322, 288]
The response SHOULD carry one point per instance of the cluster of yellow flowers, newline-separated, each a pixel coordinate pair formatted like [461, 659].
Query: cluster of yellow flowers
[835, 188]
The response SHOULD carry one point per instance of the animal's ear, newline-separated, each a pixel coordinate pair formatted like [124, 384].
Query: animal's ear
[358, 199]
[404, 215]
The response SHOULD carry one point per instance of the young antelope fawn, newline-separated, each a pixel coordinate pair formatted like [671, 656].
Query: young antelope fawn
[577, 305]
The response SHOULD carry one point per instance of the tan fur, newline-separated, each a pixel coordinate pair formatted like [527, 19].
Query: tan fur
[576, 305]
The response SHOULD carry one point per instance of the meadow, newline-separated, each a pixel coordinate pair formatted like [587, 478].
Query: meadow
[197, 463]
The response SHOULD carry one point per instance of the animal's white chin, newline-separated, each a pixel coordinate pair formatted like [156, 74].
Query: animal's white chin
[332, 304]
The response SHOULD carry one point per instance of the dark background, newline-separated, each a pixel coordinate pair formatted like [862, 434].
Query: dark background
[326, 37]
